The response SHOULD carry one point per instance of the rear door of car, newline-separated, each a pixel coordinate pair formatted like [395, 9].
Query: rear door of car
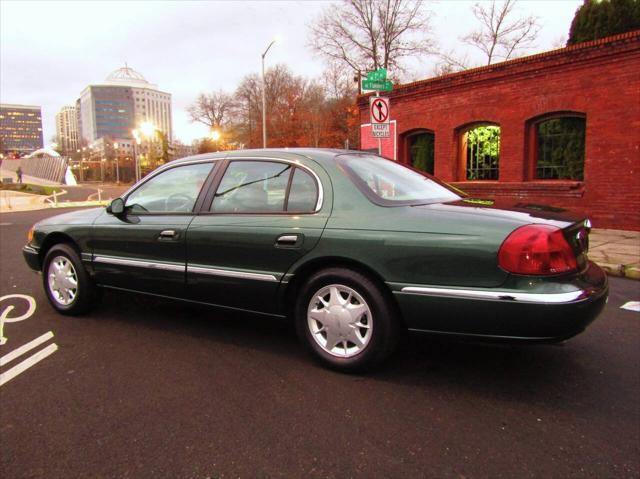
[261, 215]
[144, 249]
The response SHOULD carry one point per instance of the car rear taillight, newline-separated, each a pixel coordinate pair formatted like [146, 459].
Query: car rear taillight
[536, 250]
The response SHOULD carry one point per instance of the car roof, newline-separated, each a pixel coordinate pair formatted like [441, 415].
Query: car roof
[319, 154]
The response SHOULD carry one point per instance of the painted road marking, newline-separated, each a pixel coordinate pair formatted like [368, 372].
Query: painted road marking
[631, 306]
[5, 313]
[27, 363]
[7, 358]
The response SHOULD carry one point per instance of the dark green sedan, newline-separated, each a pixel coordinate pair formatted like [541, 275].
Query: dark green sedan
[353, 247]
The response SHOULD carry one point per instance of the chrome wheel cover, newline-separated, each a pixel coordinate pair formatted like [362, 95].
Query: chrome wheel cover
[340, 320]
[62, 280]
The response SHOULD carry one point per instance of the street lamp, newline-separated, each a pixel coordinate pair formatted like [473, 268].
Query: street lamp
[215, 136]
[115, 149]
[147, 129]
[264, 101]
[136, 144]
[84, 148]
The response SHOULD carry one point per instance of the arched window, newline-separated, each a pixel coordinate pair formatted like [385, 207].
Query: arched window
[558, 147]
[480, 152]
[420, 150]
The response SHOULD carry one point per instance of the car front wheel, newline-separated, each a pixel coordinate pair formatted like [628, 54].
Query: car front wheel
[346, 320]
[67, 284]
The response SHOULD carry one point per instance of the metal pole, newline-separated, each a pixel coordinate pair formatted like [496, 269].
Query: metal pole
[135, 159]
[115, 152]
[379, 139]
[264, 101]
[264, 106]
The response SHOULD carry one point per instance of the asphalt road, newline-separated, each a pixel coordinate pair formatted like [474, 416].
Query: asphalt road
[149, 388]
[87, 191]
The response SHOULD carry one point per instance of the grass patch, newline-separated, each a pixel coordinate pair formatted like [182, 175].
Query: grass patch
[31, 189]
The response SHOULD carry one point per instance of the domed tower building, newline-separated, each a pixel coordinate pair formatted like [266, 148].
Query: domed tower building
[121, 104]
[108, 114]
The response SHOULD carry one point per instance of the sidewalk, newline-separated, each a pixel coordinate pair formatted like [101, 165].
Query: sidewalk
[5, 173]
[11, 201]
[616, 251]
[17, 201]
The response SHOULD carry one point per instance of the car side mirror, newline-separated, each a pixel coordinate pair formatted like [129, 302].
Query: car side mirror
[116, 207]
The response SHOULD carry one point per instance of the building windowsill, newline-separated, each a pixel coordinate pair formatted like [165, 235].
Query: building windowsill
[552, 188]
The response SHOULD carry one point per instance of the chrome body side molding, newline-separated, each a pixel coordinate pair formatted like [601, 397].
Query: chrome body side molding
[540, 298]
[139, 263]
[181, 268]
[231, 274]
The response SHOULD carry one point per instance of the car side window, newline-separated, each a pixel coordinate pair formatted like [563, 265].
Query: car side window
[172, 191]
[252, 187]
[303, 194]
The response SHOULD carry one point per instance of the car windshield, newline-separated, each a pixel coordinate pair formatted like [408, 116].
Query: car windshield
[388, 183]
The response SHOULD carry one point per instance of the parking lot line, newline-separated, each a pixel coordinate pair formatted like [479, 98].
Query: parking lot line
[7, 358]
[27, 363]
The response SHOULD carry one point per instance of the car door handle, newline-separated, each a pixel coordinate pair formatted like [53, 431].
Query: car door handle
[287, 240]
[168, 234]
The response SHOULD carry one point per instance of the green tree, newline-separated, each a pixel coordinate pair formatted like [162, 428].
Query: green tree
[164, 155]
[207, 145]
[602, 18]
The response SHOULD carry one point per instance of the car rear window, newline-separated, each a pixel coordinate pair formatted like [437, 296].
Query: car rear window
[388, 183]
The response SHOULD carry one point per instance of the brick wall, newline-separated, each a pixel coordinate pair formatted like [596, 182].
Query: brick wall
[599, 79]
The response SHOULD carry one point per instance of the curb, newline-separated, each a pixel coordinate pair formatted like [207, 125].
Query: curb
[620, 270]
[80, 204]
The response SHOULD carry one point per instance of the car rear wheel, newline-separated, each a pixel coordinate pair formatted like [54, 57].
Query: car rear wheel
[69, 288]
[346, 320]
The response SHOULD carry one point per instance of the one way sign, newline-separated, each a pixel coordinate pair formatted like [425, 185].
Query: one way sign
[379, 107]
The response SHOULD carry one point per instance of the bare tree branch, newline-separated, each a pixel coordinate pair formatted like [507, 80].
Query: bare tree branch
[450, 62]
[211, 109]
[500, 36]
[371, 34]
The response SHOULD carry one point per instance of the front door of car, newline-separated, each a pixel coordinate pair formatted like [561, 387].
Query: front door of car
[143, 249]
[264, 216]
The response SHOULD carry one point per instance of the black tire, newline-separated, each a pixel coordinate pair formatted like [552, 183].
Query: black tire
[85, 291]
[384, 320]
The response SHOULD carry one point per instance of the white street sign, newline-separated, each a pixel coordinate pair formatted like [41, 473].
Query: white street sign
[379, 108]
[380, 130]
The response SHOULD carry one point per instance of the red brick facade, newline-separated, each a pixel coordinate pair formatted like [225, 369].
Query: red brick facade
[597, 80]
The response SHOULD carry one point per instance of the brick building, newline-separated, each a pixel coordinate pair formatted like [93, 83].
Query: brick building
[561, 127]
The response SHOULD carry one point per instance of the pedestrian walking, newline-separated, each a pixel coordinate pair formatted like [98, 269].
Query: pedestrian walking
[19, 174]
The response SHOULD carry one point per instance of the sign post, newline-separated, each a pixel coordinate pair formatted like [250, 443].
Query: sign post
[378, 106]
[379, 110]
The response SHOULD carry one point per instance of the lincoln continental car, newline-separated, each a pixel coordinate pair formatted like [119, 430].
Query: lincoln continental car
[352, 247]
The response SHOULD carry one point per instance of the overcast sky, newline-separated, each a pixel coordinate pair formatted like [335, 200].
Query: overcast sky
[50, 51]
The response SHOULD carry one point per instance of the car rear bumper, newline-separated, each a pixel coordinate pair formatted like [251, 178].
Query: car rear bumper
[32, 257]
[546, 311]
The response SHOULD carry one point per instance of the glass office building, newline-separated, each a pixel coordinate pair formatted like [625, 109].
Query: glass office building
[20, 129]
